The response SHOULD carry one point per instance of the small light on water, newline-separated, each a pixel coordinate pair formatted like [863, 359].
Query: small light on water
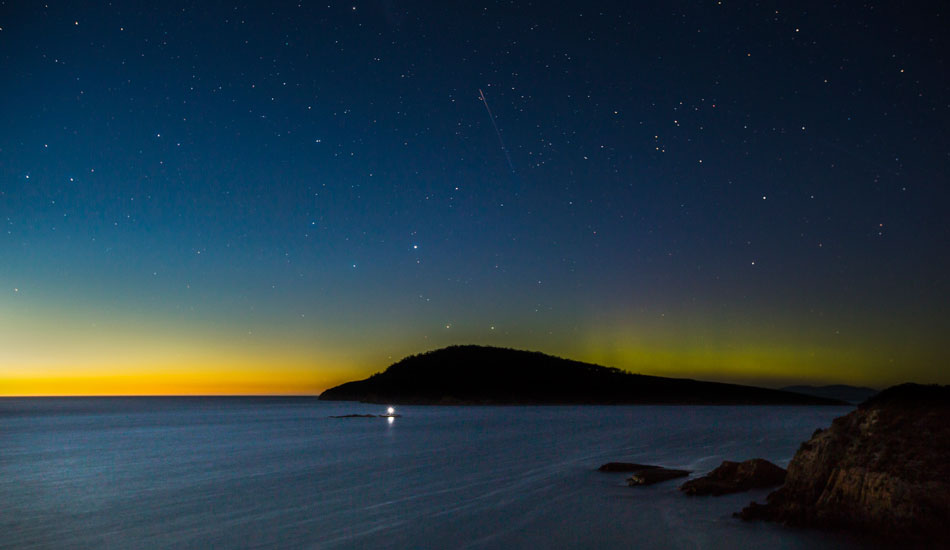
[390, 420]
[390, 410]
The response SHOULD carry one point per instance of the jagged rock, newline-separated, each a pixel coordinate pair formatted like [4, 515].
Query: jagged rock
[625, 467]
[735, 477]
[883, 469]
[653, 475]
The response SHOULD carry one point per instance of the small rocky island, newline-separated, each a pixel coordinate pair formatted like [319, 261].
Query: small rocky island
[883, 469]
[736, 477]
[729, 477]
[461, 375]
[643, 474]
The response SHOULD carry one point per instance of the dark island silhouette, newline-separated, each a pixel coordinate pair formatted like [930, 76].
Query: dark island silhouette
[465, 375]
[851, 394]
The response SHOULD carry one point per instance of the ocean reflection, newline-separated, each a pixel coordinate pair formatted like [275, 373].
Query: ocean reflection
[284, 474]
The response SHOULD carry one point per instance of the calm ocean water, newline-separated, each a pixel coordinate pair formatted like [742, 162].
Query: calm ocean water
[280, 473]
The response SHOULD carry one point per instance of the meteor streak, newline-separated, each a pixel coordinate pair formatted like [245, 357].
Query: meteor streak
[481, 95]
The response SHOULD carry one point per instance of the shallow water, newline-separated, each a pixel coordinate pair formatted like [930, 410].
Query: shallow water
[280, 473]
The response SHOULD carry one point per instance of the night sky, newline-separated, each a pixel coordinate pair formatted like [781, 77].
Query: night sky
[237, 198]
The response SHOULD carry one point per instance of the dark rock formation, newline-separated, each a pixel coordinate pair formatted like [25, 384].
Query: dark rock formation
[884, 469]
[460, 375]
[654, 474]
[625, 467]
[735, 477]
[643, 474]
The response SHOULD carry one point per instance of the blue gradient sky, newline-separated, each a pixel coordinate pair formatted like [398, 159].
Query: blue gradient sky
[241, 198]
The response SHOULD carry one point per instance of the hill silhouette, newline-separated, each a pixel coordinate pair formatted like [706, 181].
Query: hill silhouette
[851, 394]
[490, 375]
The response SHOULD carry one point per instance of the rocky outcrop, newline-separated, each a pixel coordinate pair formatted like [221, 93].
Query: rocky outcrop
[883, 469]
[735, 477]
[625, 467]
[643, 474]
[653, 475]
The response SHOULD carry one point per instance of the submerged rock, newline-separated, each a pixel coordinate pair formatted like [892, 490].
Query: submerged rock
[883, 469]
[655, 474]
[625, 467]
[643, 474]
[735, 477]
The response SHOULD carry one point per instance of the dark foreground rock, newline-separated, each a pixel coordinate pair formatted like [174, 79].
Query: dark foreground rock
[883, 469]
[625, 467]
[736, 477]
[653, 475]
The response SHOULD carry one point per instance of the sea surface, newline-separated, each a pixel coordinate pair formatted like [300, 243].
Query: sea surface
[281, 473]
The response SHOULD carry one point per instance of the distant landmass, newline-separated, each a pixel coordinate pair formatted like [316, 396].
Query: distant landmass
[489, 375]
[851, 394]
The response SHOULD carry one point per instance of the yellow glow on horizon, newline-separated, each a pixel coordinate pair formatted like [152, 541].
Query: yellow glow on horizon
[741, 366]
[89, 351]
[156, 384]
[239, 376]
[744, 356]
[58, 355]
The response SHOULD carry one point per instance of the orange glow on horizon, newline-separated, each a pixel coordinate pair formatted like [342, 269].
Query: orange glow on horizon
[238, 382]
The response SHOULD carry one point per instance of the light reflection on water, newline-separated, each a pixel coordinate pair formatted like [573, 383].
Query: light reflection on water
[280, 473]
